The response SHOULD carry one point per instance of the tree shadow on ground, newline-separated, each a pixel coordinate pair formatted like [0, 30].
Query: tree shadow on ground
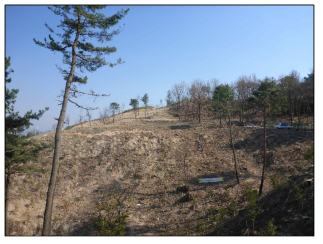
[275, 138]
[179, 127]
[281, 205]
[87, 229]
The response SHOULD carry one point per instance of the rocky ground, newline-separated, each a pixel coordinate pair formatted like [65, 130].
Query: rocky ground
[152, 167]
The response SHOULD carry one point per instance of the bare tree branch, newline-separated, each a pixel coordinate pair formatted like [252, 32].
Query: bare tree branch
[79, 106]
[92, 94]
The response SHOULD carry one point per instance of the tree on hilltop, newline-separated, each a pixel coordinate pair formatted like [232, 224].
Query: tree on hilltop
[145, 100]
[134, 104]
[114, 107]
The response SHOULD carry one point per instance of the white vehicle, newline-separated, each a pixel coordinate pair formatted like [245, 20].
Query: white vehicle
[283, 126]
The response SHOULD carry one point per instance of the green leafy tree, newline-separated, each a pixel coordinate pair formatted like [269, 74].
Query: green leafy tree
[267, 98]
[134, 104]
[114, 108]
[145, 100]
[79, 25]
[223, 96]
[18, 150]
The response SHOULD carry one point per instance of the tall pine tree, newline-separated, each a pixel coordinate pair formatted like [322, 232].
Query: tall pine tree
[266, 98]
[145, 100]
[223, 96]
[79, 24]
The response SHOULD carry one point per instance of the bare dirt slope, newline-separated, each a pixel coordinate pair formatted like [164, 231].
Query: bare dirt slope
[144, 160]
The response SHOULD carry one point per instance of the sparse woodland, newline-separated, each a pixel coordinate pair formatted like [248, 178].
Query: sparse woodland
[137, 172]
[140, 177]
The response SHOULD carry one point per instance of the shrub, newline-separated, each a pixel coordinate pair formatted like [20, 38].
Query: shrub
[254, 211]
[200, 230]
[110, 220]
[309, 154]
[299, 194]
[274, 181]
[232, 208]
[299, 166]
[271, 229]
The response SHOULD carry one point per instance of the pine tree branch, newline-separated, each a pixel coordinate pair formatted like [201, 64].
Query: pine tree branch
[57, 120]
[67, 61]
[59, 101]
[79, 106]
[83, 58]
[16, 150]
[92, 94]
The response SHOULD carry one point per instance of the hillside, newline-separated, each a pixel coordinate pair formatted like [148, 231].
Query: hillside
[141, 163]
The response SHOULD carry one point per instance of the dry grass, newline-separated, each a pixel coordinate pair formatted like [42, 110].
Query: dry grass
[149, 154]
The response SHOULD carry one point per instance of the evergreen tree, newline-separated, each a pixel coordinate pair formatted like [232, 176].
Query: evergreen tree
[267, 98]
[17, 150]
[114, 107]
[80, 23]
[134, 104]
[223, 95]
[145, 100]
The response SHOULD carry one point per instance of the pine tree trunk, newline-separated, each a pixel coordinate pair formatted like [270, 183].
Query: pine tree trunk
[57, 149]
[233, 150]
[7, 202]
[265, 156]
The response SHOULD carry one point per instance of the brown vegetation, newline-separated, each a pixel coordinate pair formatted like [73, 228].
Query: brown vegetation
[156, 164]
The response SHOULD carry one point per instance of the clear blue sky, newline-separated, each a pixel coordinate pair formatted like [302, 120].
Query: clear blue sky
[161, 46]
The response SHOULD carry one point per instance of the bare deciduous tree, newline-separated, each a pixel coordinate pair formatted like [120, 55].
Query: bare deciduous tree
[199, 92]
[67, 120]
[81, 118]
[178, 93]
[54, 127]
[89, 115]
[289, 86]
[244, 87]
[122, 107]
